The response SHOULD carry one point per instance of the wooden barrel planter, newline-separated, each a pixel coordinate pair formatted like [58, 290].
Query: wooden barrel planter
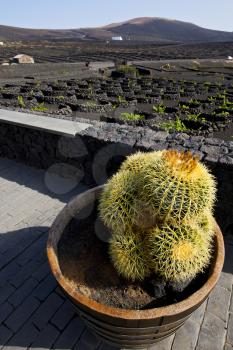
[120, 327]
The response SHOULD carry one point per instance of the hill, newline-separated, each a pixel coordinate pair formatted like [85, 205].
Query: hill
[150, 29]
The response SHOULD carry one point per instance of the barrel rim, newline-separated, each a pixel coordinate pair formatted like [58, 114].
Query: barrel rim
[55, 232]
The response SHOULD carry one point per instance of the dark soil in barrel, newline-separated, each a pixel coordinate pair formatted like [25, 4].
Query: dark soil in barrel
[85, 263]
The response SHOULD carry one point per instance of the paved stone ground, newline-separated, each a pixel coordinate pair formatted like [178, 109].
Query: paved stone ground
[35, 314]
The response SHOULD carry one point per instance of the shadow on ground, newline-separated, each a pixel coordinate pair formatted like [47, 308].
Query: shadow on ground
[46, 182]
[33, 311]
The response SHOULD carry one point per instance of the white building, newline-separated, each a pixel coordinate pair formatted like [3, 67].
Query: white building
[117, 38]
[1, 43]
[22, 59]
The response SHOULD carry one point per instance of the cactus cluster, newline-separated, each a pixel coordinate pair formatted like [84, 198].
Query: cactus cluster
[159, 210]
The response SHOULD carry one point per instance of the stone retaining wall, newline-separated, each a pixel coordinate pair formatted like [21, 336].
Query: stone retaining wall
[96, 153]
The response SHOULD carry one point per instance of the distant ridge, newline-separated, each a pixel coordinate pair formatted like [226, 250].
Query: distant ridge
[152, 29]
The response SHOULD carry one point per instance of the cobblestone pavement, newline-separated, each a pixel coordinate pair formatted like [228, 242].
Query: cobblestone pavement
[35, 314]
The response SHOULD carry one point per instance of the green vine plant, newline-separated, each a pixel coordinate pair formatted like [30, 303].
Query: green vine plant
[223, 97]
[40, 107]
[194, 102]
[222, 114]
[121, 99]
[131, 116]
[211, 99]
[60, 98]
[225, 102]
[184, 107]
[160, 109]
[196, 117]
[21, 102]
[176, 125]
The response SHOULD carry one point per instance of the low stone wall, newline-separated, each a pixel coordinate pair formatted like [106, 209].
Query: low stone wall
[96, 153]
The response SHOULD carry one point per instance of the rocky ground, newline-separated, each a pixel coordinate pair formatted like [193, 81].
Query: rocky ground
[193, 96]
[58, 51]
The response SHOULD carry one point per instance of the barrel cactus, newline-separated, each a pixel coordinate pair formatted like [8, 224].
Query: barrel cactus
[158, 208]
[178, 253]
[118, 201]
[206, 224]
[178, 186]
[127, 251]
[138, 161]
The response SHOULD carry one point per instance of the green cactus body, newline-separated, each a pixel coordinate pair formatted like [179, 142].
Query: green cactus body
[159, 209]
[128, 254]
[178, 253]
[177, 187]
[206, 224]
[138, 161]
[117, 205]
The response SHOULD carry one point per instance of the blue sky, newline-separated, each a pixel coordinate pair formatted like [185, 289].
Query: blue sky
[215, 14]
